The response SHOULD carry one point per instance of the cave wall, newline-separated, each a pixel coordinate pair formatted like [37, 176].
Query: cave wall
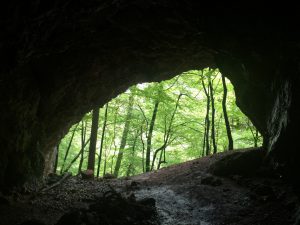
[267, 91]
[60, 59]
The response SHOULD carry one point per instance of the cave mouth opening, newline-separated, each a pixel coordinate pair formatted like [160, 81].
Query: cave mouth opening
[158, 124]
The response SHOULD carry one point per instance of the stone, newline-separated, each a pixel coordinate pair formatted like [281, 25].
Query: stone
[87, 174]
[108, 176]
[243, 163]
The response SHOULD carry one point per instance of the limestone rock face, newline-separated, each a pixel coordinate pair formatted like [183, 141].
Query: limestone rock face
[59, 59]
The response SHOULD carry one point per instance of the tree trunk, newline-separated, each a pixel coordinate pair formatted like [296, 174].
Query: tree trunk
[131, 164]
[143, 149]
[204, 138]
[124, 136]
[228, 129]
[254, 134]
[114, 140]
[218, 129]
[160, 161]
[207, 121]
[213, 111]
[83, 136]
[167, 134]
[149, 138]
[102, 139]
[93, 139]
[76, 157]
[156, 152]
[68, 148]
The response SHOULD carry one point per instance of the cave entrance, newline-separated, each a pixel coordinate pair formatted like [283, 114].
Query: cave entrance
[154, 125]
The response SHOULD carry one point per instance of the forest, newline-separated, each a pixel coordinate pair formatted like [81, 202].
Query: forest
[155, 125]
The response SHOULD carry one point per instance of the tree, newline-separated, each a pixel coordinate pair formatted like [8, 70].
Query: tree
[130, 167]
[167, 135]
[143, 148]
[228, 129]
[124, 135]
[149, 137]
[83, 143]
[102, 139]
[207, 121]
[93, 139]
[113, 141]
[254, 132]
[76, 157]
[213, 112]
[68, 148]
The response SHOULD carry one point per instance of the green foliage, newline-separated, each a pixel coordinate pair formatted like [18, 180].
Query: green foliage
[186, 133]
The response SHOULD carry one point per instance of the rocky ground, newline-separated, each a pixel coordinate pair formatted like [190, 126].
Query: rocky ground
[184, 194]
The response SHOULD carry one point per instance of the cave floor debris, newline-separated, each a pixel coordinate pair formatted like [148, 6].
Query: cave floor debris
[185, 194]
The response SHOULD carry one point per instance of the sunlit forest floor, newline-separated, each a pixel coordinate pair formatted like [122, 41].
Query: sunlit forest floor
[186, 193]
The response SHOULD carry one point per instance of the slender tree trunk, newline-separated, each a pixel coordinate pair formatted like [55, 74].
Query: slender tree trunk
[105, 160]
[113, 157]
[167, 133]
[207, 121]
[213, 111]
[76, 157]
[218, 129]
[254, 134]
[102, 139]
[68, 148]
[208, 126]
[156, 152]
[83, 136]
[141, 136]
[124, 136]
[104, 166]
[228, 129]
[114, 142]
[93, 139]
[131, 164]
[204, 139]
[160, 161]
[149, 138]
[143, 149]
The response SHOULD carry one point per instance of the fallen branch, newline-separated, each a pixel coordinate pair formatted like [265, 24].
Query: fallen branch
[65, 176]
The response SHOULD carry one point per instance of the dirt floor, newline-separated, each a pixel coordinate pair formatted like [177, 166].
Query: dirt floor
[184, 194]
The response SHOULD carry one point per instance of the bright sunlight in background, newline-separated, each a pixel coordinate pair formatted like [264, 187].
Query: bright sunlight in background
[175, 120]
